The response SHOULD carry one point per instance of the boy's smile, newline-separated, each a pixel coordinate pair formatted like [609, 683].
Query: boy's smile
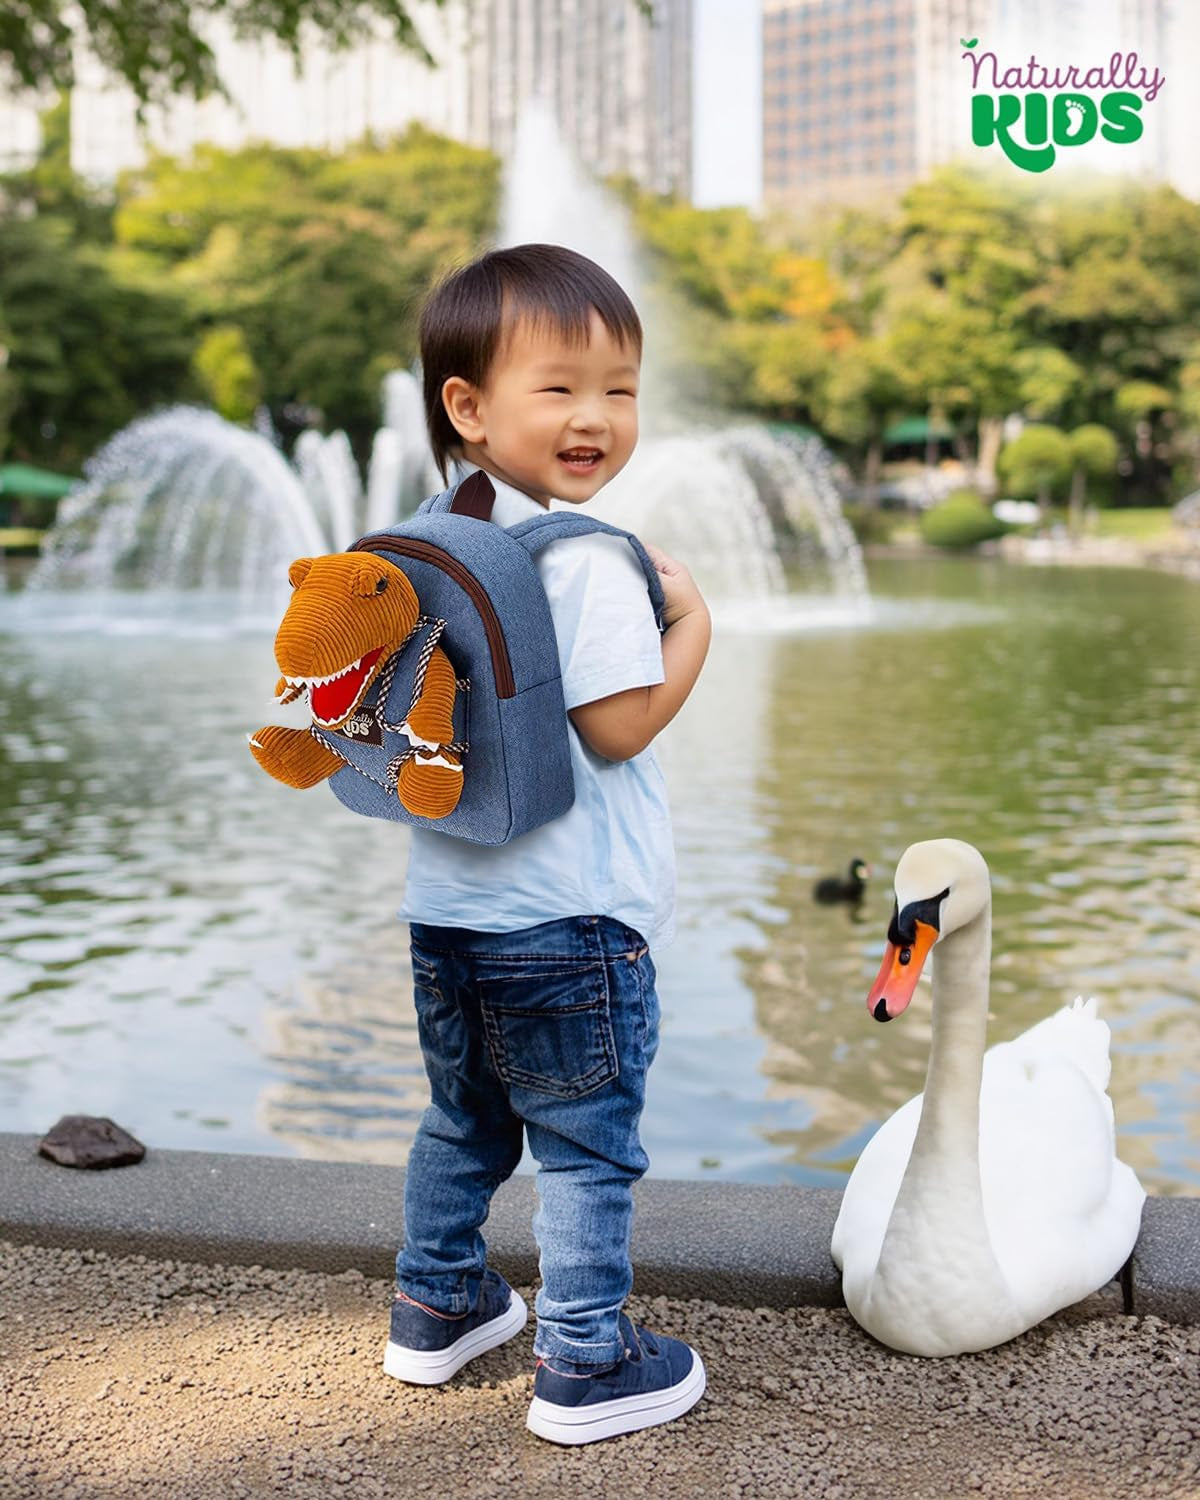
[582, 460]
[555, 419]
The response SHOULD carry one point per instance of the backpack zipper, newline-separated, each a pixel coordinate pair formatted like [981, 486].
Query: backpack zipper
[426, 552]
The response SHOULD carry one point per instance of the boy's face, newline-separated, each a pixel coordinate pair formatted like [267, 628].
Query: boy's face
[554, 419]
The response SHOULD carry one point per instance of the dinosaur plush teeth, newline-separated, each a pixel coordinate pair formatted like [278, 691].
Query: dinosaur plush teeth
[317, 682]
[332, 698]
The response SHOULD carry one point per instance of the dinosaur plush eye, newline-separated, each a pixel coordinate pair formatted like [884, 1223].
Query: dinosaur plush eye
[381, 585]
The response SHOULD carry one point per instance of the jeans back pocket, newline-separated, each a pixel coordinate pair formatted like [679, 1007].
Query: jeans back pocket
[548, 1026]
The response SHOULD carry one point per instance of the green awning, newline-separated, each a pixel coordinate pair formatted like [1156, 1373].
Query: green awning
[33, 484]
[916, 430]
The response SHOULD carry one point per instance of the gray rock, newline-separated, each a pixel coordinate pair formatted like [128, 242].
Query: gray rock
[91, 1142]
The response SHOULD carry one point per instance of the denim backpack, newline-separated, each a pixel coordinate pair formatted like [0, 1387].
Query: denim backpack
[482, 601]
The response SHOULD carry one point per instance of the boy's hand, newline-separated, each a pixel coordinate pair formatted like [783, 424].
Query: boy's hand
[680, 593]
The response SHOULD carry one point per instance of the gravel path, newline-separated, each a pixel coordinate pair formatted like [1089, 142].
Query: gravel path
[169, 1381]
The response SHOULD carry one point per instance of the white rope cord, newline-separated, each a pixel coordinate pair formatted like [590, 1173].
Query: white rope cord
[423, 751]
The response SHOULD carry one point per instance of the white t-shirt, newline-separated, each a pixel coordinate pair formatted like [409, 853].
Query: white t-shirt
[611, 853]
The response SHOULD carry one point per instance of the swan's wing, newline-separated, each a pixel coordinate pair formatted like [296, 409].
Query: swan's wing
[871, 1192]
[1045, 1135]
[1062, 1212]
[1076, 1033]
[1045, 1120]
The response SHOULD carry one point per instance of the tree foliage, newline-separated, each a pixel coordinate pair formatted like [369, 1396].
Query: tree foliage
[320, 261]
[1094, 455]
[961, 520]
[160, 48]
[1094, 450]
[1038, 462]
[297, 283]
[294, 277]
[228, 373]
[85, 349]
[1075, 308]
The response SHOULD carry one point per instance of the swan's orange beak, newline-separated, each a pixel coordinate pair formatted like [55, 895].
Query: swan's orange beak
[899, 972]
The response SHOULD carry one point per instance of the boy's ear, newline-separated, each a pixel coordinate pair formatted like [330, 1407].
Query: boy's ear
[461, 400]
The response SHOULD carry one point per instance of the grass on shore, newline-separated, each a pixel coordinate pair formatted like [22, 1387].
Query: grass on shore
[1131, 524]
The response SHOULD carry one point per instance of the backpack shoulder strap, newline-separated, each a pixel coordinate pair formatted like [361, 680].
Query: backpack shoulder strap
[472, 496]
[539, 531]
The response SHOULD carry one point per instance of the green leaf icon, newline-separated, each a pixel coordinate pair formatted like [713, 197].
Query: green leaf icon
[974, 42]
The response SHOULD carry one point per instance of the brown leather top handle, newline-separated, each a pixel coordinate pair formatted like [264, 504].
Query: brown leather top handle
[474, 497]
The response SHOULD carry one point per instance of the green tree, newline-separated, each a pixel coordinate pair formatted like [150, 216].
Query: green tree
[717, 257]
[962, 520]
[1047, 379]
[766, 319]
[981, 236]
[87, 352]
[1094, 453]
[862, 391]
[1145, 410]
[1141, 400]
[228, 372]
[953, 358]
[321, 261]
[1037, 462]
[860, 248]
[1189, 408]
[1120, 287]
[158, 48]
[787, 361]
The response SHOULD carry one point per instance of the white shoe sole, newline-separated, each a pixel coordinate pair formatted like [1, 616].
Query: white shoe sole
[566, 1424]
[433, 1367]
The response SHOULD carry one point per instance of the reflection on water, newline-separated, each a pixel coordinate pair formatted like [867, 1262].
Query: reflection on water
[1058, 735]
[212, 958]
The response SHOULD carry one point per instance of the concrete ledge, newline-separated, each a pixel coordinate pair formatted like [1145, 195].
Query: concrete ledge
[739, 1244]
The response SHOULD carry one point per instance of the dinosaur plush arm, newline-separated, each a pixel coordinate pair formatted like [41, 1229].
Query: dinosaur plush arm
[432, 717]
[293, 756]
[430, 784]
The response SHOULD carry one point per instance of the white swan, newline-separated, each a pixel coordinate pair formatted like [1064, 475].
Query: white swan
[995, 1198]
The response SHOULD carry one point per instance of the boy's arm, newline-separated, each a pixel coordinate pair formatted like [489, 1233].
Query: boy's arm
[621, 726]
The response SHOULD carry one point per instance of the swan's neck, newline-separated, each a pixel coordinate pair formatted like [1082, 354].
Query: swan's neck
[938, 1214]
[949, 1128]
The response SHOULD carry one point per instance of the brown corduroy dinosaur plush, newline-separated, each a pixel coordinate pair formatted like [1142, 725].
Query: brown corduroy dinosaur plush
[349, 614]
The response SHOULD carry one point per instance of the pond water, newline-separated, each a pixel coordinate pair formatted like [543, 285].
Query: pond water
[213, 960]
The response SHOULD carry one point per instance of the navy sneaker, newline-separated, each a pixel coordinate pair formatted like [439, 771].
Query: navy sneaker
[658, 1379]
[426, 1348]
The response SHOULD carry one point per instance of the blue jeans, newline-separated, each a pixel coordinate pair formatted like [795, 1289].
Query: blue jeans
[550, 1029]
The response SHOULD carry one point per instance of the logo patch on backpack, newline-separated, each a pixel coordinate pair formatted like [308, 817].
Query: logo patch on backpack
[362, 727]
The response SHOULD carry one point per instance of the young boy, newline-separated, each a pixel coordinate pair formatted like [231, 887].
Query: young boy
[533, 979]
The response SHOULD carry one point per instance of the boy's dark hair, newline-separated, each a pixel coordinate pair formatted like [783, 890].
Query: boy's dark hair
[470, 314]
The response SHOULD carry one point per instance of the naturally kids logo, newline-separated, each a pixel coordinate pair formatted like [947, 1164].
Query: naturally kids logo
[1056, 108]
